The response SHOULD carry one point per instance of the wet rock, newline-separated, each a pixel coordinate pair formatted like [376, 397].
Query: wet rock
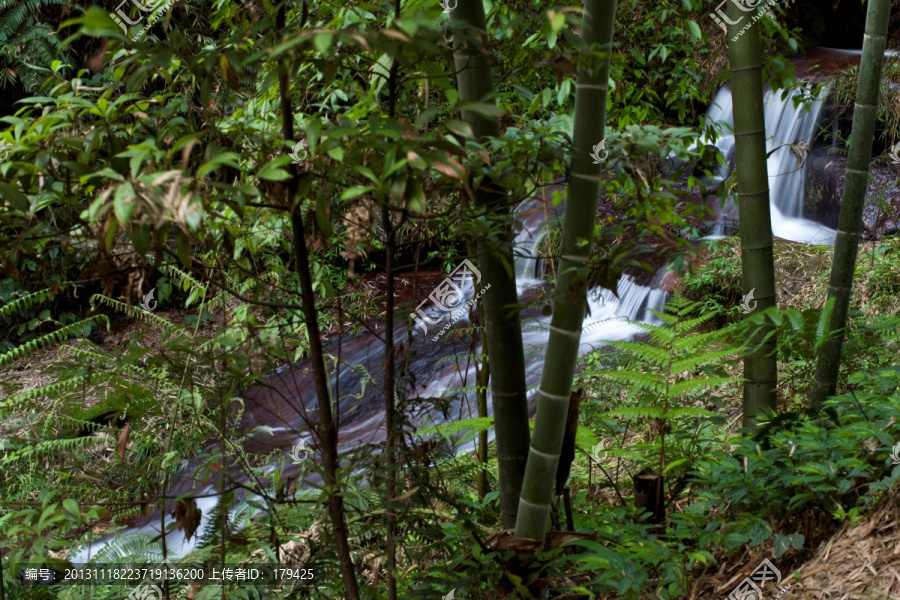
[825, 188]
[669, 281]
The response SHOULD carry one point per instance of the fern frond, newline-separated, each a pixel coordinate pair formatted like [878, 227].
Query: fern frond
[98, 358]
[687, 385]
[81, 423]
[137, 312]
[451, 428]
[135, 547]
[18, 304]
[29, 46]
[646, 352]
[54, 337]
[649, 381]
[53, 447]
[689, 363]
[174, 271]
[699, 340]
[651, 412]
[217, 301]
[689, 411]
[157, 378]
[54, 389]
[691, 324]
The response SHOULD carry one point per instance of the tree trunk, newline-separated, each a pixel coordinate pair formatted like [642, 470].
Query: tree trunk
[568, 307]
[389, 401]
[757, 262]
[327, 428]
[482, 378]
[567, 452]
[854, 198]
[390, 244]
[648, 494]
[495, 260]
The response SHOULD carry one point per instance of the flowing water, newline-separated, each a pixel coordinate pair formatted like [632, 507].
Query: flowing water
[284, 405]
[789, 121]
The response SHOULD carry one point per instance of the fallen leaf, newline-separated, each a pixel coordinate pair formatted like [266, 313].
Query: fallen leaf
[123, 441]
[451, 168]
[187, 514]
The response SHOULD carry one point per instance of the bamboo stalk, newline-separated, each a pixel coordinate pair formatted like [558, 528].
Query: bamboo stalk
[568, 308]
[757, 254]
[846, 245]
[495, 261]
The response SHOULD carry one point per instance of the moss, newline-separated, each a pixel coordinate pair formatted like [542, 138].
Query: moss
[128, 405]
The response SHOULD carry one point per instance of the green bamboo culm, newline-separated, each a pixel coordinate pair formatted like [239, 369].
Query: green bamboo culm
[568, 308]
[856, 180]
[505, 350]
[757, 255]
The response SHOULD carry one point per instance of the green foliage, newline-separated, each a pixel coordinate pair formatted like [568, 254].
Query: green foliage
[669, 377]
[717, 285]
[27, 45]
[803, 464]
[675, 80]
[887, 115]
[33, 533]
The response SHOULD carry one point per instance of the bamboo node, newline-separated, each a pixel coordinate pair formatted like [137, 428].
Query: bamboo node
[575, 335]
[588, 177]
[544, 454]
[554, 396]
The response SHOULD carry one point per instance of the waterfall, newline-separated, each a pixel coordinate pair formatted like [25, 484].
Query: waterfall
[534, 214]
[788, 121]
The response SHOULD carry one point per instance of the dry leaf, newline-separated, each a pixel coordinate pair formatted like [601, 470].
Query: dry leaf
[407, 495]
[451, 168]
[123, 441]
[187, 515]
[395, 34]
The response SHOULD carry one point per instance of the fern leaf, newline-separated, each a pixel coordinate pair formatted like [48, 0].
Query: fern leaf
[689, 363]
[53, 447]
[54, 337]
[54, 389]
[17, 305]
[474, 424]
[687, 385]
[689, 411]
[649, 381]
[643, 351]
[650, 412]
[187, 282]
[140, 313]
